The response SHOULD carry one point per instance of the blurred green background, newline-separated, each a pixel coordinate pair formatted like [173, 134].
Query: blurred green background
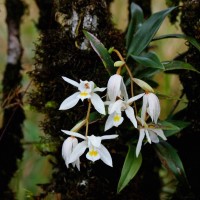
[33, 168]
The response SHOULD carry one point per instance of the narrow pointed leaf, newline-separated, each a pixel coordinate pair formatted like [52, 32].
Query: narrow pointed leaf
[191, 40]
[173, 126]
[101, 51]
[146, 32]
[177, 65]
[171, 160]
[150, 59]
[137, 18]
[130, 168]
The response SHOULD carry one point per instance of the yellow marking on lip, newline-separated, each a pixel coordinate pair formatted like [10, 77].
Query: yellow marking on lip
[93, 153]
[117, 118]
[84, 94]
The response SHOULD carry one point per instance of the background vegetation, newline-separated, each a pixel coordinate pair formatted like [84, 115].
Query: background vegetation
[34, 168]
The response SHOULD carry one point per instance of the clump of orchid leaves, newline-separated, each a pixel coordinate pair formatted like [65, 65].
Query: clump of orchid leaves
[120, 101]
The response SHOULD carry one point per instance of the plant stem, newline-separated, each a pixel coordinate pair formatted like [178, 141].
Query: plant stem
[129, 73]
[87, 118]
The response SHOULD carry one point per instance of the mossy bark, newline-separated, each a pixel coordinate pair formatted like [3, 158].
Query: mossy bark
[63, 51]
[189, 141]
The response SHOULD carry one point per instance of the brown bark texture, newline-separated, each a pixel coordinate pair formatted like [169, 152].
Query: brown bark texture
[13, 116]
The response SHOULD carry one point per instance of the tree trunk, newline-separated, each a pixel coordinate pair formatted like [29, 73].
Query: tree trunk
[13, 117]
[188, 146]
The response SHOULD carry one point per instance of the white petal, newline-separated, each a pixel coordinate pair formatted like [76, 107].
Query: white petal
[153, 136]
[160, 133]
[132, 99]
[123, 90]
[94, 140]
[74, 134]
[154, 107]
[113, 87]
[86, 86]
[69, 102]
[110, 107]
[131, 115]
[116, 107]
[108, 137]
[78, 151]
[105, 155]
[70, 81]
[144, 108]
[109, 122]
[77, 164]
[93, 154]
[117, 119]
[139, 144]
[97, 89]
[67, 150]
[147, 135]
[98, 103]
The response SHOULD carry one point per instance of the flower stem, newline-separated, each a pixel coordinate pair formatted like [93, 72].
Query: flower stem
[129, 73]
[87, 118]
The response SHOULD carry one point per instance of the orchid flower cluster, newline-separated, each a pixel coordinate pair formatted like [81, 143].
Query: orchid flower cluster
[117, 102]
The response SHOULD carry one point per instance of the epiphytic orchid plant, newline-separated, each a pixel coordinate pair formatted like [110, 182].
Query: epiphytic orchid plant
[126, 92]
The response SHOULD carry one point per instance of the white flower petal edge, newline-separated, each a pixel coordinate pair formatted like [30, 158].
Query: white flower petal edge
[154, 107]
[70, 133]
[132, 99]
[98, 103]
[105, 155]
[70, 81]
[94, 140]
[97, 89]
[131, 115]
[78, 151]
[68, 146]
[139, 144]
[70, 102]
[109, 122]
[113, 86]
[114, 119]
[93, 154]
[151, 105]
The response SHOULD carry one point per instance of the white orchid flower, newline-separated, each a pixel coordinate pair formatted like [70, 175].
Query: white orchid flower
[151, 105]
[96, 149]
[115, 109]
[114, 119]
[87, 90]
[67, 148]
[116, 88]
[151, 133]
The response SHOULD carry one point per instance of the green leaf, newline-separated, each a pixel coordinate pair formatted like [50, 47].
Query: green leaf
[130, 168]
[137, 18]
[146, 32]
[177, 65]
[191, 40]
[172, 127]
[150, 59]
[101, 51]
[171, 160]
